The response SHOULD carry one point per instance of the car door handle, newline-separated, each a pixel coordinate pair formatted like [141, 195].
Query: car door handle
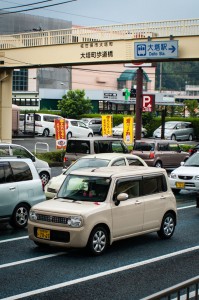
[162, 197]
[12, 188]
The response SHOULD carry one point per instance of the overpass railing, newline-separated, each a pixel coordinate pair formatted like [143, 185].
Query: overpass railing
[187, 27]
[184, 291]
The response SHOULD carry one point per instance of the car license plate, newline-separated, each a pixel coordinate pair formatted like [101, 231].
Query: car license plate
[180, 185]
[43, 234]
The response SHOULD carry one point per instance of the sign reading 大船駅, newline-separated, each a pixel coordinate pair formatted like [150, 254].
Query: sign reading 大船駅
[159, 49]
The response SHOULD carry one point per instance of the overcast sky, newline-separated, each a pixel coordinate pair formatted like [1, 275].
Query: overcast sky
[106, 12]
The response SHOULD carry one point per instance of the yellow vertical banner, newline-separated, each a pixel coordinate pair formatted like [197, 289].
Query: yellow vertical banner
[107, 125]
[128, 130]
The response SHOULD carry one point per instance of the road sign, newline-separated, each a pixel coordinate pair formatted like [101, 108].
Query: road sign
[159, 49]
[148, 103]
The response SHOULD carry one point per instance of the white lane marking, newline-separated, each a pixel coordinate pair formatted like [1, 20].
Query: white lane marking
[14, 239]
[19, 262]
[98, 275]
[184, 207]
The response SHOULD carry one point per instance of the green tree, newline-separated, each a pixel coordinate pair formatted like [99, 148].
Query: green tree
[191, 106]
[74, 104]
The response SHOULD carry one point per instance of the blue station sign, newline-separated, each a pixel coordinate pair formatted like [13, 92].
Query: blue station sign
[159, 49]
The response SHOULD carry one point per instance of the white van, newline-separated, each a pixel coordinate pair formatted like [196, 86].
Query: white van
[44, 123]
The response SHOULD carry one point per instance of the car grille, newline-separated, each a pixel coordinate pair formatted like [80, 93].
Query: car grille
[183, 177]
[189, 184]
[52, 219]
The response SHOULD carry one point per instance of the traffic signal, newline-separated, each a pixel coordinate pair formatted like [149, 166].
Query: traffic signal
[133, 93]
[126, 94]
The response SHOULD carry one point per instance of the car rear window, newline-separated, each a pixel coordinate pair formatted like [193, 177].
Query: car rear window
[78, 147]
[142, 146]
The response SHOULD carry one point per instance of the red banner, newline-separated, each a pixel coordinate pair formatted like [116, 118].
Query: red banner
[60, 133]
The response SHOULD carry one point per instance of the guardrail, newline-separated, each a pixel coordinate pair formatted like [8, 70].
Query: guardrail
[184, 291]
[187, 27]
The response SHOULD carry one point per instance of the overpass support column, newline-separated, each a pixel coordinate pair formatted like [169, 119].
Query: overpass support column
[138, 108]
[6, 106]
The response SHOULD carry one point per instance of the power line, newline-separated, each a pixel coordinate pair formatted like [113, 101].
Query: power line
[28, 9]
[26, 4]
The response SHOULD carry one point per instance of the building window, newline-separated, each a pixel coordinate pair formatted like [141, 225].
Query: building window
[20, 80]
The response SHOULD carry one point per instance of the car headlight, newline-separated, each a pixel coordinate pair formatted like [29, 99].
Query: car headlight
[75, 221]
[197, 177]
[32, 215]
[173, 176]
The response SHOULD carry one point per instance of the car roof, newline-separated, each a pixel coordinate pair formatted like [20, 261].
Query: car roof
[118, 171]
[94, 138]
[156, 141]
[109, 155]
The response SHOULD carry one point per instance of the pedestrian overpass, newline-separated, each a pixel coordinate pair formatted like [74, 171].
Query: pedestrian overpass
[91, 45]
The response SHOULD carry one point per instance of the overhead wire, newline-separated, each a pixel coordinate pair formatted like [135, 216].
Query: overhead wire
[28, 9]
[26, 4]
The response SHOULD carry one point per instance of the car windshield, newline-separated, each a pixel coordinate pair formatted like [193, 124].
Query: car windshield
[84, 188]
[119, 126]
[142, 146]
[192, 161]
[88, 163]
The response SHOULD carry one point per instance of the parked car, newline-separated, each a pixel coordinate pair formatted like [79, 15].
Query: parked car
[194, 149]
[42, 167]
[95, 207]
[160, 153]
[94, 123]
[187, 175]
[21, 188]
[118, 130]
[176, 130]
[42, 123]
[77, 128]
[78, 147]
[93, 161]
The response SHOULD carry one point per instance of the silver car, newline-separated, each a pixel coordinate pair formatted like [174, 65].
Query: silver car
[21, 188]
[19, 151]
[176, 130]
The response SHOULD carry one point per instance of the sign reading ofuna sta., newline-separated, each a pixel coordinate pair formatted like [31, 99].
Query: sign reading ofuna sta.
[128, 130]
[60, 134]
[107, 125]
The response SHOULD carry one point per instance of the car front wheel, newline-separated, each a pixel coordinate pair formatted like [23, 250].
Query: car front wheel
[20, 216]
[98, 241]
[167, 227]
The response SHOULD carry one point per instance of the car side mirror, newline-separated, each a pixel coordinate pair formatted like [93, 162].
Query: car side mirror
[121, 197]
[182, 163]
[33, 158]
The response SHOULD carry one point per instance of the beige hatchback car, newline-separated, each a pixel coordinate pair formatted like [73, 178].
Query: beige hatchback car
[95, 207]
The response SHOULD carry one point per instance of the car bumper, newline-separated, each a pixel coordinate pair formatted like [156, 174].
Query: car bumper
[59, 235]
[184, 184]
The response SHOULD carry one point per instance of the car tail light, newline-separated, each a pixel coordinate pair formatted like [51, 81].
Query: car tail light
[65, 158]
[152, 154]
[191, 151]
